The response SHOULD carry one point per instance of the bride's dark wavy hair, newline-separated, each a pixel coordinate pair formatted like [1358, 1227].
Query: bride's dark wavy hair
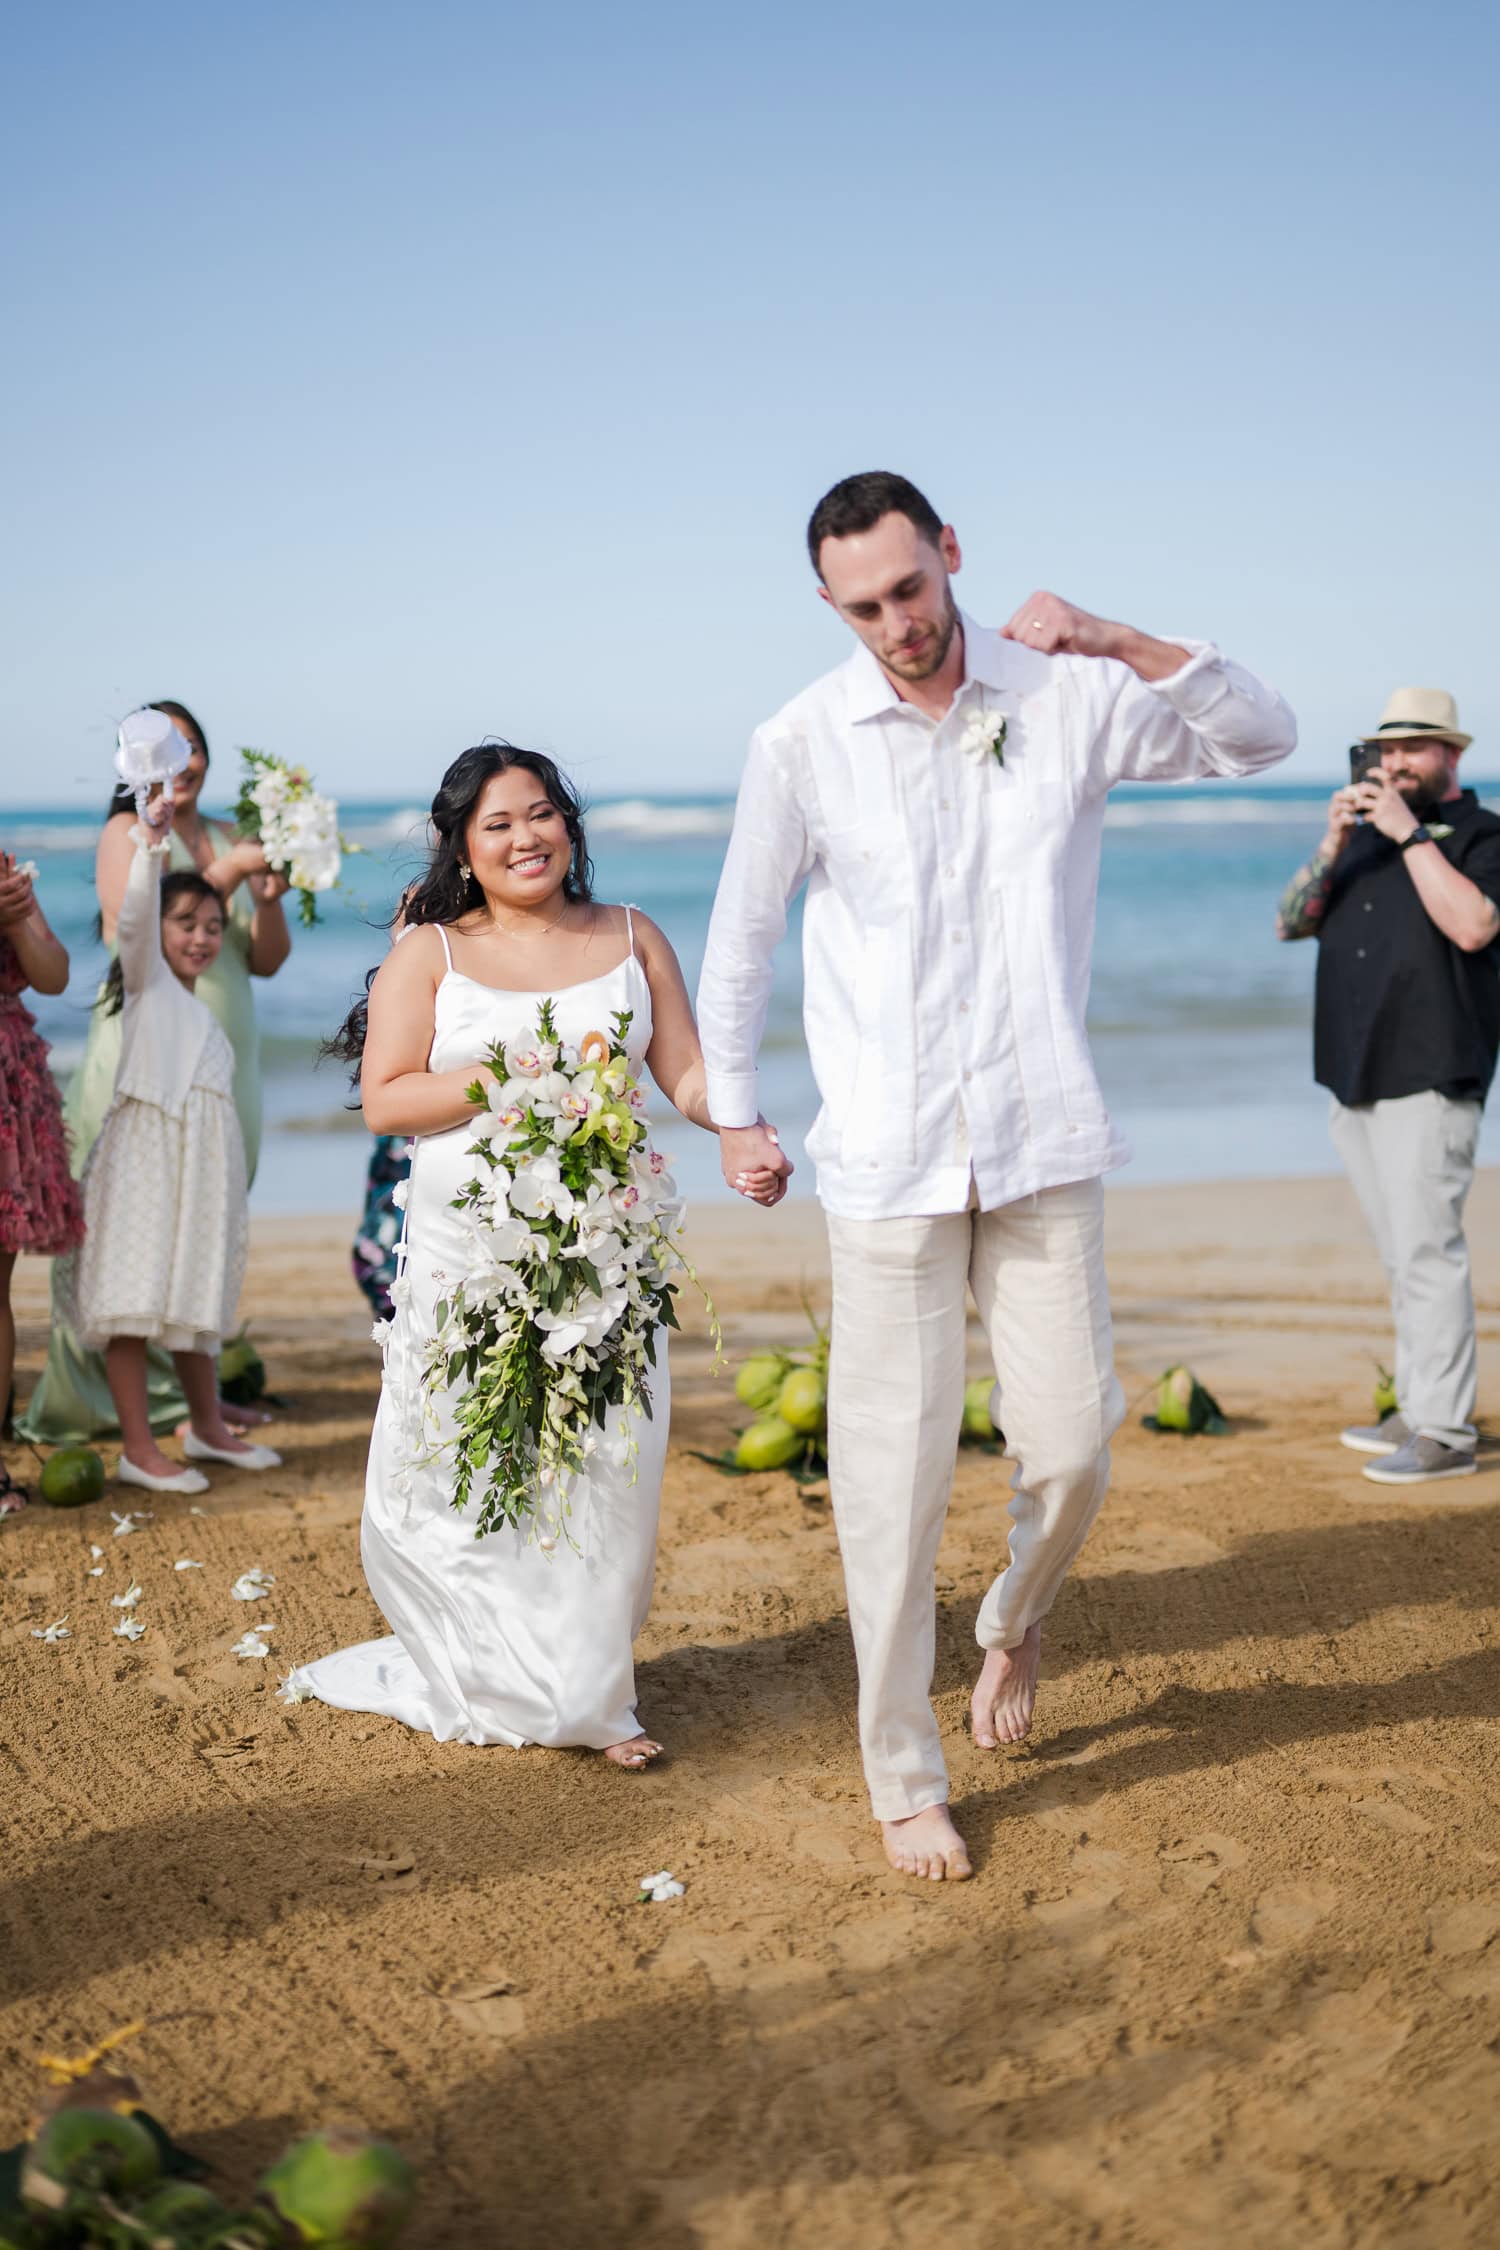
[446, 891]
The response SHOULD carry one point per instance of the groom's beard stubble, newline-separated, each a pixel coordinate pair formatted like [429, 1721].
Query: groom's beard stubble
[933, 659]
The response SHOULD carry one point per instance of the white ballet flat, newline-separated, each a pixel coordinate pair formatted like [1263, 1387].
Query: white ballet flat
[186, 1480]
[254, 1457]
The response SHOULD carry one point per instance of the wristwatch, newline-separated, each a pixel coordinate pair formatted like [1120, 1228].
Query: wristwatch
[1419, 835]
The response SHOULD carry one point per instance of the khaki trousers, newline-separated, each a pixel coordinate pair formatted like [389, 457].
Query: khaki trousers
[1411, 1163]
[896, 1380]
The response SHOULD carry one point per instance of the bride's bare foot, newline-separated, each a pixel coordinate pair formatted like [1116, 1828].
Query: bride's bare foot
[1005, 1695]
[927, 1843]
[638, 1751]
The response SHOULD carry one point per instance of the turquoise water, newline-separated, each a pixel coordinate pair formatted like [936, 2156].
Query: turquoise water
[1200, 1019]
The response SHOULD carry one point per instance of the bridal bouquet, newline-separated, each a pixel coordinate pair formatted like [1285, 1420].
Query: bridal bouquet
[573, 1227]
[298, 829]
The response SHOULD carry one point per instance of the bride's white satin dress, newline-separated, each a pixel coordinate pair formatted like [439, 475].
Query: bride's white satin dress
[493, 1639]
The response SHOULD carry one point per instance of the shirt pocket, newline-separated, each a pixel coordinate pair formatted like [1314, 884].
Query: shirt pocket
[869, 866]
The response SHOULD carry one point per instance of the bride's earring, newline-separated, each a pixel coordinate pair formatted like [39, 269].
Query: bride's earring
[465, 872]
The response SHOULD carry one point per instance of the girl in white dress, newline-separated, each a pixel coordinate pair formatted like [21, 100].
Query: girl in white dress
[497, 1639]
[164, 1192]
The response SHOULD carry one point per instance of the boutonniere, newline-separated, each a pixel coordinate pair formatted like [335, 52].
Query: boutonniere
[984, 736]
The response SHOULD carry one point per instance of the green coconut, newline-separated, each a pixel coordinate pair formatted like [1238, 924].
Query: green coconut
[1184, 1406]
[771, 1444]
[803, 1401]
[82, 2152]
[242, 1371]
[342, 2188]
[72, 1478]
[758, 1383]
[978, 1421]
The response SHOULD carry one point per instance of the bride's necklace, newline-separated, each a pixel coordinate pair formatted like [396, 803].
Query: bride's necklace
[501, 931]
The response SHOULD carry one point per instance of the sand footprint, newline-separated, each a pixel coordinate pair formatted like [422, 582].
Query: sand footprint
[1463, 1933]
[1286, 1913]
[1196, 1863]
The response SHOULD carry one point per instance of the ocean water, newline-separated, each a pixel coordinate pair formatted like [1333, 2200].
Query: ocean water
[1200, 1019]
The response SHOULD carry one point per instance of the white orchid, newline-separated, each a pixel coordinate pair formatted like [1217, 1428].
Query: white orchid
[252, 1585]
[57, 1631]
[984, 736]
[661, 1887]
[252, 1644]
[128, 1599]
[187, 1564]
[129, 1629]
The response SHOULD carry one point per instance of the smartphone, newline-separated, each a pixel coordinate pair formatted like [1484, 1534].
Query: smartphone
[1364, 759]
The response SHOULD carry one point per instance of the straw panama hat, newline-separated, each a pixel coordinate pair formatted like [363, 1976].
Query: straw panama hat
[1420, 710]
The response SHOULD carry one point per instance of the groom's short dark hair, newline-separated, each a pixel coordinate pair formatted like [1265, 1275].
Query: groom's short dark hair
[858, 503]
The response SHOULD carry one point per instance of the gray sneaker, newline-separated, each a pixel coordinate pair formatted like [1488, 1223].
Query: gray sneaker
[1377, 1437]
[1421, 1460]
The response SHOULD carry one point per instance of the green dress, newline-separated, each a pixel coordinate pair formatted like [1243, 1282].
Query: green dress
[71, 1402]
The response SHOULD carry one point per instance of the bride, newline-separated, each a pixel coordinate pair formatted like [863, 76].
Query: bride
[494, 1639]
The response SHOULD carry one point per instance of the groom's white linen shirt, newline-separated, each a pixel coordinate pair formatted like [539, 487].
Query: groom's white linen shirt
[949, 922]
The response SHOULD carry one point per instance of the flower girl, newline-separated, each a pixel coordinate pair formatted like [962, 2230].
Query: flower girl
[165, 1200]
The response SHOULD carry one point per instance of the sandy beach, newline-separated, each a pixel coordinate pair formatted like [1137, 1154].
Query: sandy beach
[1230, 1966]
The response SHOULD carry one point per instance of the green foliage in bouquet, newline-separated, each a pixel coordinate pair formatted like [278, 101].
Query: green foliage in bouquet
[574, 1221]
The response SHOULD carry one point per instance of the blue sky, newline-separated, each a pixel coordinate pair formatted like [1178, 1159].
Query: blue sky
[381, 377]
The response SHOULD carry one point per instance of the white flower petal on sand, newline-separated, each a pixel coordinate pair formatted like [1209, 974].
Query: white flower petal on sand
[252, 1585]
[129, 1629]
[128, 1599]
[187, 1564]
[659, 1888]
[289, 1691]
[132, 1520]
[54, 1632]
[251, 1644]
[197, 1511]
[96, 1572]
[96, 1552]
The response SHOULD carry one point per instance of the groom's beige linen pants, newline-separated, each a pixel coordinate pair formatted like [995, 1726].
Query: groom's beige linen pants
[896, 1380]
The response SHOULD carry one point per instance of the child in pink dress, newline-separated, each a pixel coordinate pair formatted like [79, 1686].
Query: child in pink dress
[40, 1207]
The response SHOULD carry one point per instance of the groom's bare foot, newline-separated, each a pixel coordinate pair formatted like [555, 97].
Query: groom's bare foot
[927, 1843]
[1005, 1695]
[638, 1751]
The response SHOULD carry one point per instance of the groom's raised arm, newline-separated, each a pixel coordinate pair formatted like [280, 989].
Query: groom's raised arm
[769, 858]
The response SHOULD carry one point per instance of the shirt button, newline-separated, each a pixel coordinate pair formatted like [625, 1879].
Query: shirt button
[947, 874]
[958, 937]
[1359, 956]
[943, 804]
[963, 1007]
[1369, 906]
[968, 1074]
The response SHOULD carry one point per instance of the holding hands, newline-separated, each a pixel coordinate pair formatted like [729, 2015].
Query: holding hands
[754, 1164]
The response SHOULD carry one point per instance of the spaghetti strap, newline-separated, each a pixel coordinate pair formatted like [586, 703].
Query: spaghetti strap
[447, 948]
[629, 934]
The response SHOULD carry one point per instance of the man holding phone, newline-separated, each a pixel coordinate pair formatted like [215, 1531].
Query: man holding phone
[1402, 896]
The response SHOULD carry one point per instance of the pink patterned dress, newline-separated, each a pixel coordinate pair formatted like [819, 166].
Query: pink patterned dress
[40, 1207]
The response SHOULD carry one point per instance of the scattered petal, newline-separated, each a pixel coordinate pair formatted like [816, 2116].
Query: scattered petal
[56, 1632]
[132, 1520]
[253, 1585]
[96, 1552]
[197, 1511]
[290, 1691]
[658, 1888]
[96, 1572]
[129, 1629]
[251, 1644]
[128, 1599]
[187, 1564]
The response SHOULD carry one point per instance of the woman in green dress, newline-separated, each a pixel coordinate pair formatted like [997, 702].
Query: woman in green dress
[71, 1402]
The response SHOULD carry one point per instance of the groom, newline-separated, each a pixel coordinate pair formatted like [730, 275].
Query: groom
[941, 794]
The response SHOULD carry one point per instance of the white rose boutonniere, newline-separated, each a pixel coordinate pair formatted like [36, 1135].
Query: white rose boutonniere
[984, 737]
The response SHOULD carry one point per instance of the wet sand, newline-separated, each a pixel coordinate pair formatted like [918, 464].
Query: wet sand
[1230, 1966]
